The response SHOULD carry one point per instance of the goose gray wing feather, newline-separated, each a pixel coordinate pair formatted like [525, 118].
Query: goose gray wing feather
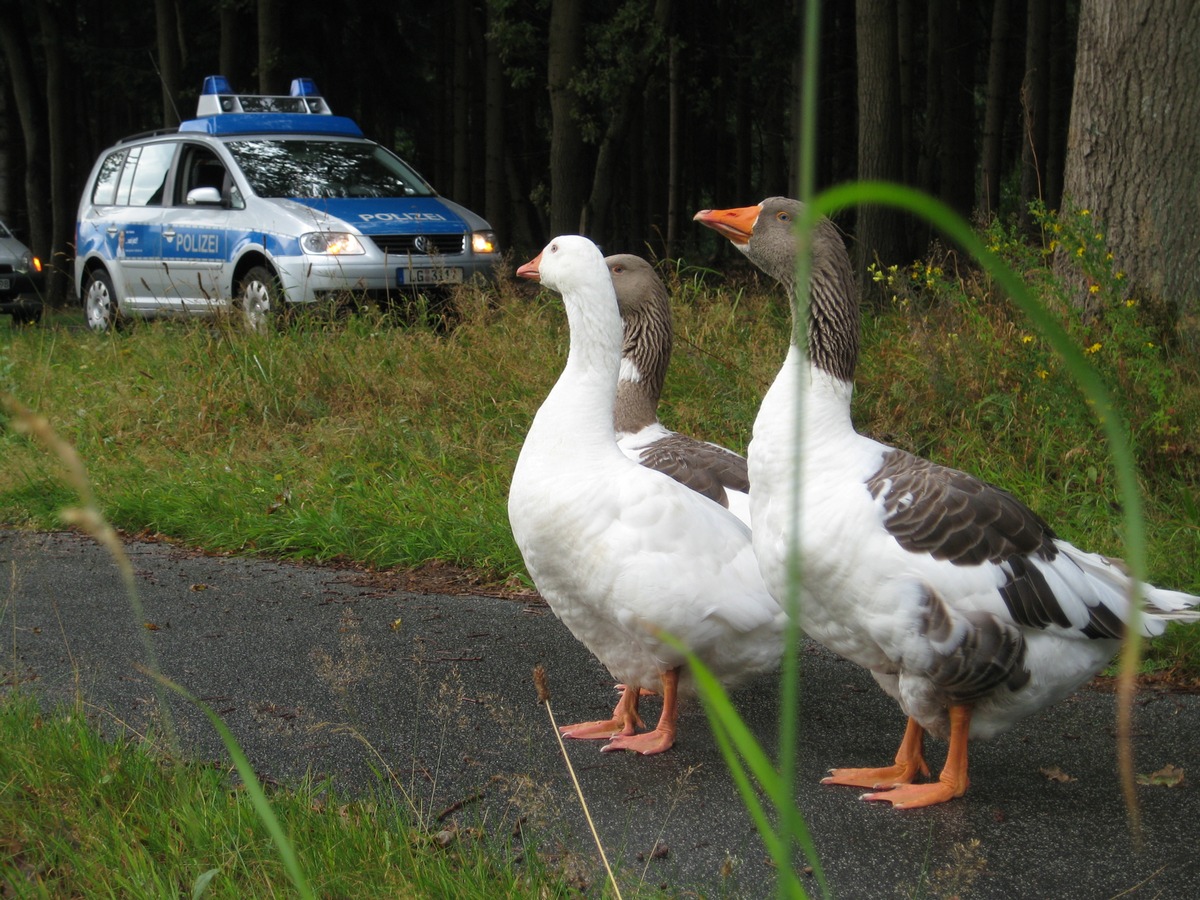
[954, 516]
[706, 468]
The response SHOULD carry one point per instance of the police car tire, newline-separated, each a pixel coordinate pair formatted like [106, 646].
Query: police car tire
[99, 289]
[256, 279]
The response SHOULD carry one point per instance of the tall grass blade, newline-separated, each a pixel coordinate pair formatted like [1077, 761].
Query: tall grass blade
[262, 806]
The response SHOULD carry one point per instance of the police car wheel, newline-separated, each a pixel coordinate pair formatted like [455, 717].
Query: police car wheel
[257, 298]
[100, 302]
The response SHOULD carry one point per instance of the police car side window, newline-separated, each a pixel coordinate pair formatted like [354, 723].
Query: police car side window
[105, 193]
[150, 174]
[199, 168]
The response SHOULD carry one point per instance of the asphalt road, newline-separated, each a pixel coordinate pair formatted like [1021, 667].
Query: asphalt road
[338, 673]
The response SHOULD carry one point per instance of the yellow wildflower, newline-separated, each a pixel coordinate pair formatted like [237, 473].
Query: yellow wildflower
[1026, 338]
[1094, 289]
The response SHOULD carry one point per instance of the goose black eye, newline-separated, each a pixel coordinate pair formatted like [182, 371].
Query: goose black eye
[783, 217]
[617, 270]
[554, 248]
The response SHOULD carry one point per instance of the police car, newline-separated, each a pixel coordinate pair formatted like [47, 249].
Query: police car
[261, 202]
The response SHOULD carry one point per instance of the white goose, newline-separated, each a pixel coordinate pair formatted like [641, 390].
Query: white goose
[959, 599]
[711, 469]
[623, 553]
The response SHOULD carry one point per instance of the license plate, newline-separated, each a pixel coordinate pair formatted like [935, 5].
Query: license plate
[431, 275]
[6, 283]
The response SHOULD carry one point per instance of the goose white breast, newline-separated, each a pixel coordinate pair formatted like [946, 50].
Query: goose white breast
[713, 470]
[962, 602]
[620, 552]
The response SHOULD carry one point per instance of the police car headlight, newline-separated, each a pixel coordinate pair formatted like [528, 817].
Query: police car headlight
[483, 242]
[331, 243]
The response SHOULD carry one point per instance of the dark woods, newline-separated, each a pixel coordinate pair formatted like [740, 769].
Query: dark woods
[617, 118]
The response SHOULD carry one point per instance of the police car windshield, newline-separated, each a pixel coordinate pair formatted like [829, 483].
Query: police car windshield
[311, 169]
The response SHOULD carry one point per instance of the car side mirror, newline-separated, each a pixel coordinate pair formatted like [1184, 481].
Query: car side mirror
[204, 196]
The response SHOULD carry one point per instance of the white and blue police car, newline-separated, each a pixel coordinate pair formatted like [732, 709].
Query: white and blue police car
[259, 203]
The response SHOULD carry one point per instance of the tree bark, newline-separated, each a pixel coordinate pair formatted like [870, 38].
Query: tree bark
[993, 119]
[168, 59]
[567, 185]
[460, 145]
[31, 115]
[880, 231]
[269, 43]
[62, 195]
[495, 200]
[1134, 142]
[229, 51]
[1035, 103]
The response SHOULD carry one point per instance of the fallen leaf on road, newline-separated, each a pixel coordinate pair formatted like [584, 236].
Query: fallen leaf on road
[1168, 776]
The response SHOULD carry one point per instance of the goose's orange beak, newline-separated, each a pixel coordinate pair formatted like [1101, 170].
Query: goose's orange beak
[735, 224]
[530, 269]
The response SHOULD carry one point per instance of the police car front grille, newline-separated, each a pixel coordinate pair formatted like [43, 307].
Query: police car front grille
[419, 244]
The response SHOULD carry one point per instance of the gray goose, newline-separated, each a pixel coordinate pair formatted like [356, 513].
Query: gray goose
[959, 599]
[620, 552]
[708, 468]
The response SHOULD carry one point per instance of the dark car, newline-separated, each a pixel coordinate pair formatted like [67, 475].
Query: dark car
[20, 280]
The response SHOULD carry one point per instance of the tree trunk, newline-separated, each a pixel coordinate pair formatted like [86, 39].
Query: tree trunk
[993, 119]
[1134, 143]
[460, 145]
[879, 233]
[63, 198]
[31, 115]
[567, 184]
[269, 42]
[906, 48]
[168, 59]
[1035, 103]
[495, 200]
[674, 198]
[956, 140]
[229, 51]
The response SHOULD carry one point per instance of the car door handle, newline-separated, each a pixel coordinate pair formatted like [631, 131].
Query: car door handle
[169, 234]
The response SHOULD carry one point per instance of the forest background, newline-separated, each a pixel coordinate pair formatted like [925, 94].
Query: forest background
[620, 118]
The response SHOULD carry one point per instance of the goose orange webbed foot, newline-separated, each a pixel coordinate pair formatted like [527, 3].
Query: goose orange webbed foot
[913, 796]
[647, 743]
[910, 761]
[625, 721]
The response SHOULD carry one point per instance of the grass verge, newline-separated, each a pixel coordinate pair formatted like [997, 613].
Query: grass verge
[86, 816]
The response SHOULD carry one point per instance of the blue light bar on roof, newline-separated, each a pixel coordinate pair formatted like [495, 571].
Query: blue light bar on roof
[273, 123]
[216, 84]
[217, 98]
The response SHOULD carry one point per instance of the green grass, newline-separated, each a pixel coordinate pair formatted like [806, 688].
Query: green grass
[393, 446]
[84, 816]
